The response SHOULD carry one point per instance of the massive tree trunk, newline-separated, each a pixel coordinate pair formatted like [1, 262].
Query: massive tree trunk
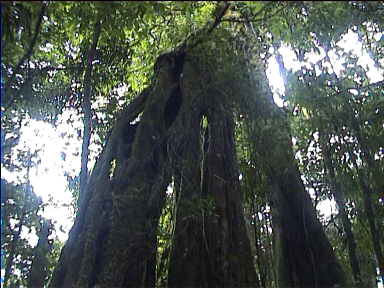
[304, 255]
[185, 132]
[210, 245]
[113, 241]
[228, 236]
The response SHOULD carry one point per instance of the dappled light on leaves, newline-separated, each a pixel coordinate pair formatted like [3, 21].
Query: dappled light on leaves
[197, 144]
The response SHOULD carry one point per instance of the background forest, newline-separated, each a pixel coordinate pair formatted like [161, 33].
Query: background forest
[69, 70]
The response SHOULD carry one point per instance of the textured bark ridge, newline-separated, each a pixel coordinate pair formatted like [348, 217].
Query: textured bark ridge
[303, 253]
[113, 240]
[210, 245]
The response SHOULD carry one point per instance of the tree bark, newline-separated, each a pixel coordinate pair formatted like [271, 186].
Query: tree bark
[39, 267]
[369, 190]
[369, 211]
[337, 192]
[256, 226]
[87, 110]
[210, 246]
[113, 241]
[222, 180]
[93, 217]
[186, 266]
[304, 256]
[130, 256]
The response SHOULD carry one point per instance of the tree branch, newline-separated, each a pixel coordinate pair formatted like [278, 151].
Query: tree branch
[198, 36]
[251, 18]
[28, 54]
[33, 73]
[86, 106]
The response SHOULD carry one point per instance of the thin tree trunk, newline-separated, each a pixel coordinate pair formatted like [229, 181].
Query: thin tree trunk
[368, 191]
[87, 110]
[256, 226]
[39, 266]
[337, 192]
[2, 187]
[369, 210]
[67, 270]
[376, 238]
[270, 253]
[2, 138]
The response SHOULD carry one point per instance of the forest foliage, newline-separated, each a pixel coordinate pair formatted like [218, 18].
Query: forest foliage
[334, 107]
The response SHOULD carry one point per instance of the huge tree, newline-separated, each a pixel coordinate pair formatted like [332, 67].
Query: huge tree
[197, 151]
[185, 132]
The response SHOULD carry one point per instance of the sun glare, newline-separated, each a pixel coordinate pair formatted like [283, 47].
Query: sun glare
[349, 43]
[47, 176]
